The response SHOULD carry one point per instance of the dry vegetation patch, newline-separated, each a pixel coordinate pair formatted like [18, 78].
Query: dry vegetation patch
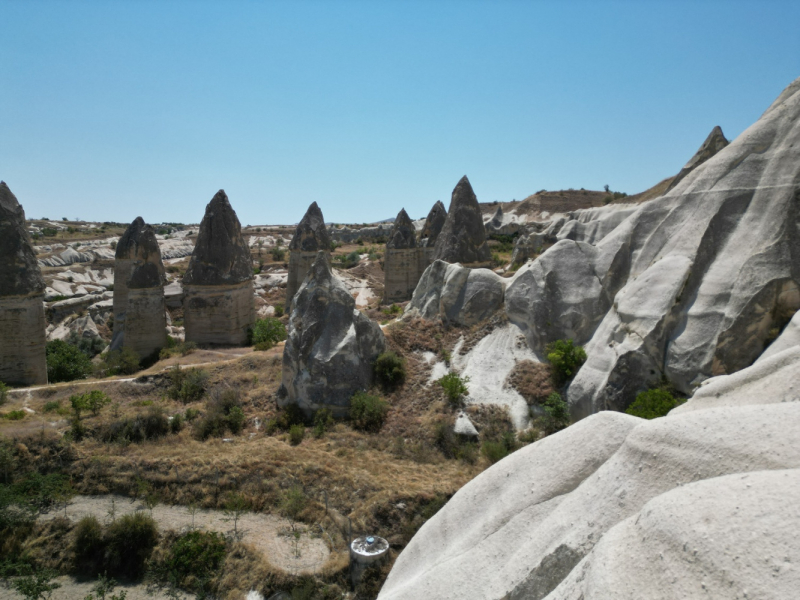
[533, 380]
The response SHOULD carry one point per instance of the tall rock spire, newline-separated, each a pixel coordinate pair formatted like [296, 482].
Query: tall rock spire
[463, 236]
[310, 237]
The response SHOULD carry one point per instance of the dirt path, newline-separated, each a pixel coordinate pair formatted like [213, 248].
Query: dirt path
[268, 533]
[72, 589]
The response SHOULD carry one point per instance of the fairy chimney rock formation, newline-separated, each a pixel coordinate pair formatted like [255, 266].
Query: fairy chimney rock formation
[402, 262]
[145, 316]
[218, 285]
[430, 232]
[310, 237]
[331, 346]
[463, 236]
[22, 322]
[125, 258]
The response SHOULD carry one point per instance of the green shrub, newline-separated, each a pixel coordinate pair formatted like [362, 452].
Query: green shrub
[138, 429]
[92, 401]
[187, 385]
[66, 362]
[368, 412]
[348, 261]
[129, 542]
[556, 414]
[223, 413]
[279, 310]
[192, 561]
[323, 421]
[296, 434]
[494, 451]
[394, 309]
[292, 414]
[390, 370]
[191, 414]
[566, 358]
[88, 546]
[268, 332]
[121, 362]
[453, 445]
[3, 393]
[454, 386]
[14, 415]
[52, 406]
[176, 423]
[278, 254]
[293, 502]
[653, 404]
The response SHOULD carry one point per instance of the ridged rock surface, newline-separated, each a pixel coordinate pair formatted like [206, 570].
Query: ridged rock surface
[701, 503]
[401, 265]
[310, 236]
[331, 346]
[463, 236]
[687, 286]
[218, 285]
[145, 317]
[22, 323]
[137, 247]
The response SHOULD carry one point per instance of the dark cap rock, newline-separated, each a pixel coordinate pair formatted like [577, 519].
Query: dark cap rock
[403, 235]
[221, 256]
[463, 237]
[128, 243]
[148, 272]
[19, 270]
[311, 234]
[434, 223]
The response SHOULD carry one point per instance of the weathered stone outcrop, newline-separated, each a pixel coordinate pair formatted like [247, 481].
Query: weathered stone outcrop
[22, 324]
[619, 507]
[457, 294]
[434, 223]
[463, 236]
[715, 142]
[145, 316]
[310, 237]
[401, 261]
[218, 285]
[331, 346]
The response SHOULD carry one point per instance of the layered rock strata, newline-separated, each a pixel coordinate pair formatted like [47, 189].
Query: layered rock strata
[22, 323]
[463, 236]
[331, 346]
[402, 262]
[310, 237]
[218, 301]
[145, 316]
[700, 503]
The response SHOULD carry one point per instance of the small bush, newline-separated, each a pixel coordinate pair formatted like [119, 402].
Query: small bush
[223, 413]
[174, 348]
[141, 428]
[66, 362]
[3, 393]
[88, 546]
[390, 370]
[494, 451]
[92, 401]
[121, 362]
[268, 332]
[323, 421]
[176, 423]
[367, 412]
[278, 254]
[566, 358]
[556, 414]
[14, 415]
[454, 386]
[653, 404]
[293, 502]
[192, 561]
[191, 414]
[292, 414]
[129, 542]
[187, 385]
[348, 261]
[279, 310]
[296, 434]
[52, 406]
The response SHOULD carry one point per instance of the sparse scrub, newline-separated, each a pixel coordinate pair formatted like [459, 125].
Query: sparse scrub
[190, 561]
[653, 404]
[566, 358]
[138, 429]
[323, 421]
[278, 254]
[296, 434]
[223, 413]
[176, 349]
[390, 370]
[455, 387]
[368, 412]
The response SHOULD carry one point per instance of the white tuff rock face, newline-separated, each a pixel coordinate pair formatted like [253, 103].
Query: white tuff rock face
[703, 502]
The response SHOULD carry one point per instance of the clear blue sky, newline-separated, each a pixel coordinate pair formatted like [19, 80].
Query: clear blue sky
[109, 110]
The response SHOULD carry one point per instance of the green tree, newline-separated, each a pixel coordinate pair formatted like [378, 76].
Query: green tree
[66, 362]
[390, 370]
[368, 412]
[268, 332]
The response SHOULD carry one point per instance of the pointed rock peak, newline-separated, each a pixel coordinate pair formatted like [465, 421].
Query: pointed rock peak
[311, 234]
[403, 235]
[463, 237]
[126, 247]
[221, 256]
[148, 270]
[19, 270]
[715, 142]
[434, 223]
[463, 193]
